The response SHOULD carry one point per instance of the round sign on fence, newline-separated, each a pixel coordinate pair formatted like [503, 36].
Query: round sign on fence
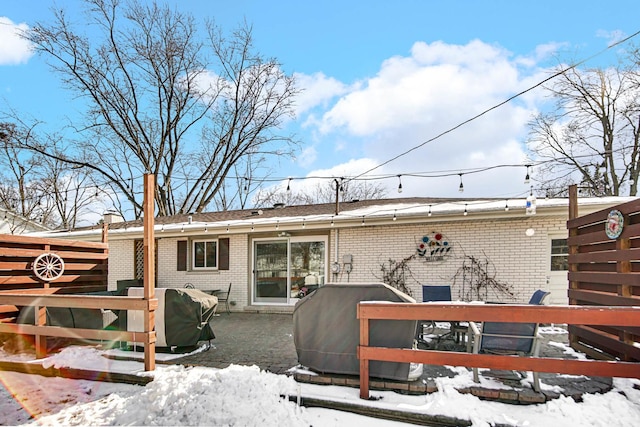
[48, 266]
[614, 225]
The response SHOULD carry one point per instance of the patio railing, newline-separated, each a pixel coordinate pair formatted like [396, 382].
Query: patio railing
[609, 316]
[41, 298]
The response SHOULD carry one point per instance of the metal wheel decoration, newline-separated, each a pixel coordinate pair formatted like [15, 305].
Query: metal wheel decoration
[48, 267]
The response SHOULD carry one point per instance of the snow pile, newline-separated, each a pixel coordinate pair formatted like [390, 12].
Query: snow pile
[194, 396]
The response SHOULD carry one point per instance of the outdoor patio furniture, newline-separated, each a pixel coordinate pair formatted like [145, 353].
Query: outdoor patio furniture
[507, 338]
[438, 293]
[539, 297]
[224, 297]
[183, 317]
[326, 331]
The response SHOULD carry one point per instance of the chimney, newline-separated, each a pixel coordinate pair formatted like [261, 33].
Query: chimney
[112, 218]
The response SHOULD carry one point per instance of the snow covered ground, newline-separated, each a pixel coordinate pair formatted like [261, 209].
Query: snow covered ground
[246, 396]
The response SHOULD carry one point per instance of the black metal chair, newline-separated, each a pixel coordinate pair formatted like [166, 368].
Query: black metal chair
[223, 297]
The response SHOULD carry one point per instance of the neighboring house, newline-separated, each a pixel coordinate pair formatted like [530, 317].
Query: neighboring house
[11, 223]
[269, 255]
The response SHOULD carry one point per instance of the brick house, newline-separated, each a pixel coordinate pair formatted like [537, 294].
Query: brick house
[269, 255]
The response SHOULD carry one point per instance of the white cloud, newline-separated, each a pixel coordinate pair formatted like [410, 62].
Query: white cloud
[308, 156]
[13, 48]
[414, 99]
[320, 177]
[611, 36]
[317, 89]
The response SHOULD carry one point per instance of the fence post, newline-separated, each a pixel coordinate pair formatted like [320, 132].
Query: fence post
[573, 249]
[364, 363]
[149, 272]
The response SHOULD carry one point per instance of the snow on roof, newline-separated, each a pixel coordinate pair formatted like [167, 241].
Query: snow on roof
[349, 213]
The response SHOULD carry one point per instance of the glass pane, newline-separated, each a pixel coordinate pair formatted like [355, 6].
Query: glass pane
[559, 263]
[559, 255]
[198, 254]
[271, 271]
[212, 256]
[559, 246]
[307, 267]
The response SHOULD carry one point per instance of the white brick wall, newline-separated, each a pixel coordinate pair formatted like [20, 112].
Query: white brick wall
[519, 260]
[121, 262]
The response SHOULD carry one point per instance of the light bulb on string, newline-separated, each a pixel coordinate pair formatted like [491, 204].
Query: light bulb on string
[399, 184]
[506, 205]
[526, 178]
[394, 215]
[289, 185]
[429, 214]
[362, 221]
[465, 210]
[461, 187]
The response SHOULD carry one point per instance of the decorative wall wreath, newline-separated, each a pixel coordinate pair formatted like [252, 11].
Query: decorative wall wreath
[48, 267]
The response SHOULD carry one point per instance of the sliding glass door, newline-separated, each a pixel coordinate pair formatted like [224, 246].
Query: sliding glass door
[285, 269]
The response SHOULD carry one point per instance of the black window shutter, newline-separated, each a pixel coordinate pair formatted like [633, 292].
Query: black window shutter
[223, 254]
[182, 255]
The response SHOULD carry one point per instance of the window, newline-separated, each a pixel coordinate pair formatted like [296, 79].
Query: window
[559, 255]
[205, 254]
[210, 254]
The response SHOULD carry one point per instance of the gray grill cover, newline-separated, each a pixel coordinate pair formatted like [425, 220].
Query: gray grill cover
[183, 317]
[326, 331]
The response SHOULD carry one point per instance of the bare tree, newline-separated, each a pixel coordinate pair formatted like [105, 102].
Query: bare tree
[39, 188]
[594, 132]
[162, 100]
[323, 192]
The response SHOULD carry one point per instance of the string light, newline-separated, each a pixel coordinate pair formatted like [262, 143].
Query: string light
[289, 184]
[251, 226]
[227, 228]
[465, 210]
[399, 184]
[332, 223]
[526, 178]
[277, 224]
[246, 185]
[303, 224]
[429, 214]
[394, 215]
[362, 221]
[506, 205]
[206, 229]
[461, 187]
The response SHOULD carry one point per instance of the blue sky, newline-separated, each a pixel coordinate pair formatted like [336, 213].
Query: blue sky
[382, 77]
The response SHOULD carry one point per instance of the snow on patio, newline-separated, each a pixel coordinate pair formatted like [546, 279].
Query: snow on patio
[244, 395]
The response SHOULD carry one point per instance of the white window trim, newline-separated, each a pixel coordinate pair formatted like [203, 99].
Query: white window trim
[192, 251]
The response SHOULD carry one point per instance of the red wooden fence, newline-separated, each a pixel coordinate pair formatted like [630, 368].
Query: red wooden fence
[604, 316]
[604, 271]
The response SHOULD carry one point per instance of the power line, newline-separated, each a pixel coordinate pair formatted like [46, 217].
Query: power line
[553, 76]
